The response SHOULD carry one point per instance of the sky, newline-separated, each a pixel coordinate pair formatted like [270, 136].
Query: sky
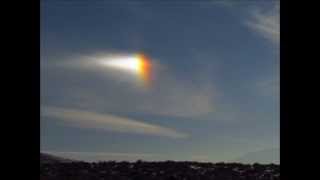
[214, 93]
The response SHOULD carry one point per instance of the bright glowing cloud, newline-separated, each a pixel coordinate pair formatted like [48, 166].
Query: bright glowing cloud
[169, 95]
[138, 64]
[92, 120]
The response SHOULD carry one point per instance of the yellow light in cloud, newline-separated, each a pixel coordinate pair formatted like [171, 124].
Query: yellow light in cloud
[139, 64]
[144, 68]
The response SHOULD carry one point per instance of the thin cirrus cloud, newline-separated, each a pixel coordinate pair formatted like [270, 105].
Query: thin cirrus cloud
[98, 156]
[107, 122]
[267, 23]
[269, 87]
[169, 99]
[118, 156]
[168, 96]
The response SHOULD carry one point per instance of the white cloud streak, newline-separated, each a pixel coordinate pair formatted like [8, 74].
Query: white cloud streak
[107, 122]
[117, 92]
[267, 24]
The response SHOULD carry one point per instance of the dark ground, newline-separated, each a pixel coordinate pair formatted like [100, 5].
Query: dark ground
[157, 171]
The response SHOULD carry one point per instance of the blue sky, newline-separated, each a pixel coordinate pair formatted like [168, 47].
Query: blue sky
[215, 96]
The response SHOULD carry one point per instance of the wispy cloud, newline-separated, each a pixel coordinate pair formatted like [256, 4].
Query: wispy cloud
[104, 156]
[108, 122]
[175, 97]
[269, 87]
[262, 156]
[117, 92]
[119, 156]
[203, 158]
[266, 23]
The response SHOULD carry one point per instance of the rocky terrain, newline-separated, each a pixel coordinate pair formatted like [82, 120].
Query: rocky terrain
[140, 170]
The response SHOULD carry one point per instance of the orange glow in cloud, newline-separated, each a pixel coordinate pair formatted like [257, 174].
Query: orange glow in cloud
[138, 64]
[144, 68]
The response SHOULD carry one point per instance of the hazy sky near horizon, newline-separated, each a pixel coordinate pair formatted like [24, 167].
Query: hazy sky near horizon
[215, 93]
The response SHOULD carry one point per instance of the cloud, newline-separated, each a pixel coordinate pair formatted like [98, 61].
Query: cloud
[104, 156]
[120, 156]
[266, 23]
[175, 97]
[261, 156]
[201, 158]
[105, 90]
[269, 87]
[108, 122]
